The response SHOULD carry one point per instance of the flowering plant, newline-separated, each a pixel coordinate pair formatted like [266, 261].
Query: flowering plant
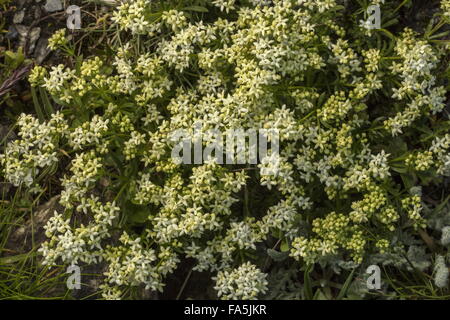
[362, 122]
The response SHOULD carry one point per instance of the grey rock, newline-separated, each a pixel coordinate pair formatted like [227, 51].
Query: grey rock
[23, 34]
[12, 33]
[22, 30]
[23, 3]
[34, 36]
[18, 17]
[53, 5]
[109, 2]
[37, 12]
[20, 238]
[41, 52]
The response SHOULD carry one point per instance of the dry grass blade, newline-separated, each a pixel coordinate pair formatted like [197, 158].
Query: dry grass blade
[16, 76]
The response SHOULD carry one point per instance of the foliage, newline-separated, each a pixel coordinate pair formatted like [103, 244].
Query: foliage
[363, 129]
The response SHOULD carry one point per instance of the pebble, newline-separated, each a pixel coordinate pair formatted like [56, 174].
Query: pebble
[12, 33]
[23, 32]
[18, 17]
[53, 5]
[37, 13]
[34, 36]
[41, 52]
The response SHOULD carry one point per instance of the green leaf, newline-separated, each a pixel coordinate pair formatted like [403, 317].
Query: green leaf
[277, 255]
[387, 33]
[338, 8]
[390, 23]
[307, 286]
[397, 147]
[284, 246]
[16, 258]
[196, 9]
[137, 214]
[37, 105]
[360, 107]
[14, 59]
[46, 101]
[319, 295]
[401, 169]
[408, 180]
[441, 205]
[344, 289]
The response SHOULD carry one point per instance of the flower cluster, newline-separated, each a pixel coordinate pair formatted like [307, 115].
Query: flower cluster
[82, 243]
[417, 84]
[131, 263]
[58, 39]
[445, 7]
[344, 107]
[37, 149]
[244, 282]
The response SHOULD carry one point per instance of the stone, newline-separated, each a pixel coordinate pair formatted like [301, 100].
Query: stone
[20, 238]
[23, 33]
[22, 30]
[23, 3]
[53, 5]
[18, 17]
[34, 36]
[41, 52]
[12, 33]
[37, 13]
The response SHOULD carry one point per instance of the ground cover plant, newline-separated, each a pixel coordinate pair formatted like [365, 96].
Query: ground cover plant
[361, 178]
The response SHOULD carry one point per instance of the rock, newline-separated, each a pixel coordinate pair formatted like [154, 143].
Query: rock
[53, 5]
[18, 17]
[22, 30]
[28, 36]
[112, 3]
[23, 34]
[34, 36]
[37, 13]
[41, 51]
[23, 3]
[20, 239]
[12, 33]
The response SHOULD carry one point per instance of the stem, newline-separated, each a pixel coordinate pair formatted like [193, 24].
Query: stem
[436, 28]
[400, 6]
[184, 285]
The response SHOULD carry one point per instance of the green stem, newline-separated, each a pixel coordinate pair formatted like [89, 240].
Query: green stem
[400, 6]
